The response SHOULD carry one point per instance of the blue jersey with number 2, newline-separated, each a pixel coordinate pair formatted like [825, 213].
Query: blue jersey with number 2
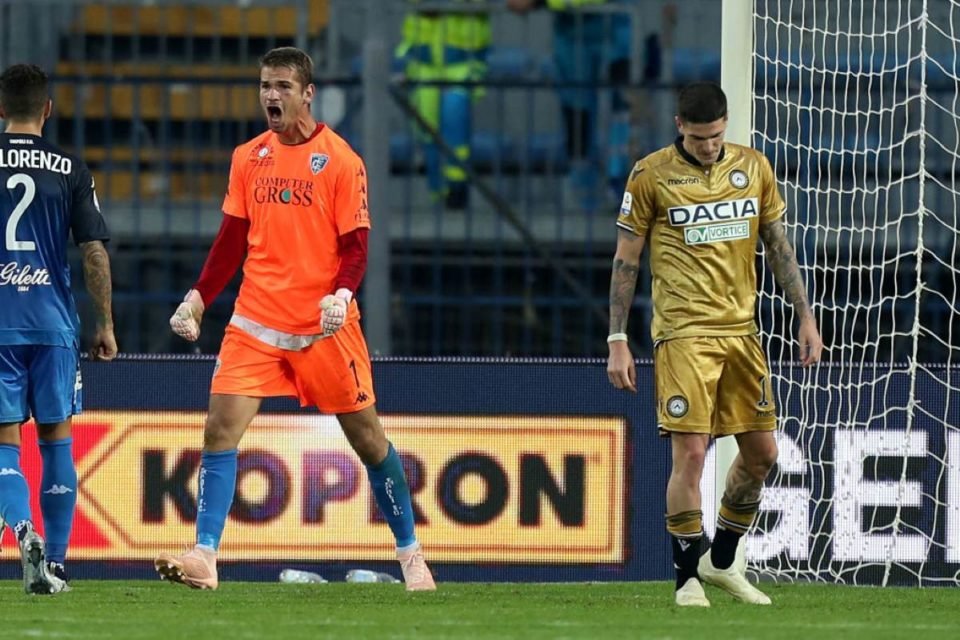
[46, 196]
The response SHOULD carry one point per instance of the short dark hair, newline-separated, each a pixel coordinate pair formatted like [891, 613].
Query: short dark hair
[701, 103]
[23, 92]
[292, 58]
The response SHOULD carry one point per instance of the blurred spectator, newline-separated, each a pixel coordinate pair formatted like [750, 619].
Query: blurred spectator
[449, 47]
[592, 48]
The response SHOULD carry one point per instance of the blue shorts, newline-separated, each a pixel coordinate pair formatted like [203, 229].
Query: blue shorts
[40, 381]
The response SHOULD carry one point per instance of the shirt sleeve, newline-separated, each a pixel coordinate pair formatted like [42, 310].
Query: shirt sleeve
[638, 208]
[235, 202]
[352, 248]
[772, 205]
[86, 221]
[350, 209]
[225, 257]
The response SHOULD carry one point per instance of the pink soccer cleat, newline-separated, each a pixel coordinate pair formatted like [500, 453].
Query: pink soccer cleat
[416, 573]
[196, 568]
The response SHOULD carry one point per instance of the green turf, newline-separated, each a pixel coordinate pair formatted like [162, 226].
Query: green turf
[131, 610]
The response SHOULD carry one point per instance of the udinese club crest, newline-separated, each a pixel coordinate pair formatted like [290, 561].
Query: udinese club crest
[677, 406]
[739, 179]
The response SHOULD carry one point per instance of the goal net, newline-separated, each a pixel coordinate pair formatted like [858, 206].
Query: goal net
[856, 105]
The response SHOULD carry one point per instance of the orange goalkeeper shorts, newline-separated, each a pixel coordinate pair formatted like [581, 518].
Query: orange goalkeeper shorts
[332, 374]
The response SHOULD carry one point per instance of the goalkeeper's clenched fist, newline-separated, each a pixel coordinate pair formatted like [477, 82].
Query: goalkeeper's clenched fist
[185, 321]
[333, 310]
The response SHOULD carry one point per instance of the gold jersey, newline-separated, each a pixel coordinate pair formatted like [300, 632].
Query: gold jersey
[701, 225]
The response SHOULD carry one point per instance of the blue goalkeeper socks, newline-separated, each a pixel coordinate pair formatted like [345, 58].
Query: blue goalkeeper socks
[218, 480]
[14, 493]
[392, 492]
[58, 495]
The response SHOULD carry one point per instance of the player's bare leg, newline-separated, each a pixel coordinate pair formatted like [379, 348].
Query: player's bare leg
[389, 483]
[739, 507]
[365, 434]
[684, 516]
[227, 420]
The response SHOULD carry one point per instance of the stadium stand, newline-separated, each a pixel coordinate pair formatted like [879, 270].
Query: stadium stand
[141, 132]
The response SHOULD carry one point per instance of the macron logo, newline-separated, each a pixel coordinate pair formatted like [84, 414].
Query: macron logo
[59, 489]
[7, 471]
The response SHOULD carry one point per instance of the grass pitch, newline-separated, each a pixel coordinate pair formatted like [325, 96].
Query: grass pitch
[238, 610]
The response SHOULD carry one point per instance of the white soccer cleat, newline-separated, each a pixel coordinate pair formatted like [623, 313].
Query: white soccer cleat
[37, 578]
[691, 595]
[185, 321]
[730, 580]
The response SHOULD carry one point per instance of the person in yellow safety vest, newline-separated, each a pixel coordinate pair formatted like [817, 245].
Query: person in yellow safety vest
[451, 47]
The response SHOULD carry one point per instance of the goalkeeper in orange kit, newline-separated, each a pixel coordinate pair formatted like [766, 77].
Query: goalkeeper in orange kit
[297, 205]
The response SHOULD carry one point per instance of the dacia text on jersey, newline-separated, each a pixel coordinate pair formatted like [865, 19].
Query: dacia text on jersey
[276, 190]
[712, 222]
[35, 159]
[708, 212]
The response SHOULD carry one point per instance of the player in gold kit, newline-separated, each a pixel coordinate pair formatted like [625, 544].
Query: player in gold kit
[700, 203]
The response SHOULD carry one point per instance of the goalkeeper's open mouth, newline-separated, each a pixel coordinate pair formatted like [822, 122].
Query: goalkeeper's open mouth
[274, 116]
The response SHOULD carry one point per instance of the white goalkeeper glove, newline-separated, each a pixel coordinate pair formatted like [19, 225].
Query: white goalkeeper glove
[185, 321]
[333, 310]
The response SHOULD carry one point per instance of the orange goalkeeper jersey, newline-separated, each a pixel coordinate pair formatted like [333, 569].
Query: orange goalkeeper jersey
[299, 200]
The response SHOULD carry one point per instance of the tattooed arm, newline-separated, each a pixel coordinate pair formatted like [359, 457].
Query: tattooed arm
[96, 274]
[623, 283]
[783, 263]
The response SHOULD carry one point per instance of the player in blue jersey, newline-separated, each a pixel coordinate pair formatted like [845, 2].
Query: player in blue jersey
[46, 196]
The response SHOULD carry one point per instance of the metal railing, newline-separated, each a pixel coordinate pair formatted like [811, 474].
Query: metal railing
[154, 95]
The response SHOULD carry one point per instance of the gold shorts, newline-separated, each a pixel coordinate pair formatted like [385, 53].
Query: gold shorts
[718, 386]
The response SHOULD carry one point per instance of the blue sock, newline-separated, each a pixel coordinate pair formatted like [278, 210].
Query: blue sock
[58, 495]
[218, 480]
[392, 492]
[14, 493]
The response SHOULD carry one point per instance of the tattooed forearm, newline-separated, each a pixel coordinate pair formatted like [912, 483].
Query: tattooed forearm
[783, 263]
[623, 283]
[96, 274]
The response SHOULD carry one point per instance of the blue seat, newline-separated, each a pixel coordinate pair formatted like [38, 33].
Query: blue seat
[402, 149]
[547, 68]
[690, 65]
[402, 152]
[509, 63]
[547, 152]
[491, 150]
